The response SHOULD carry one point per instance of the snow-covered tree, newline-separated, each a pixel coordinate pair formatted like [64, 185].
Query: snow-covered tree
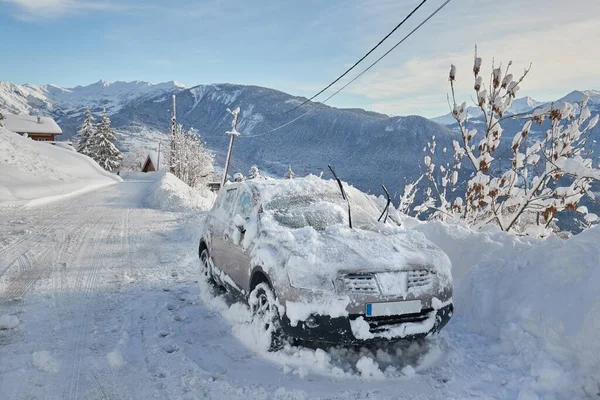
[546, 175]
[255, 173]
[289, 174]
[101, 147]
[190, 160]
[85, 132]
[1, 119]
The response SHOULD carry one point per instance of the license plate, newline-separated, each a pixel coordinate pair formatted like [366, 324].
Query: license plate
[393, 308]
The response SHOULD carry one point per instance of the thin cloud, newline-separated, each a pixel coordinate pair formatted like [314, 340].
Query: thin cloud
[560, 53]
[49, 9]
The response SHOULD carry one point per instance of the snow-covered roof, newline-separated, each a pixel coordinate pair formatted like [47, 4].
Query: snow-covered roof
[30, 124]
[153, 156]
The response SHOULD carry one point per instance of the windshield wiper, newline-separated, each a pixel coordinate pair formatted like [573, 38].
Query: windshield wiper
[387, 206]
[345, 197]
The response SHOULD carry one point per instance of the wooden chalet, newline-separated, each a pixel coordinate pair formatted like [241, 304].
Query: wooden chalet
[43, 129]
[151, 163]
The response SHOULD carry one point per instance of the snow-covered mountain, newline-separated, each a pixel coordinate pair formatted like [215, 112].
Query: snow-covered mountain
[448, 119]
[60, 102]
[367, 148]
[576, 96]
[520, 105]
[526, 104]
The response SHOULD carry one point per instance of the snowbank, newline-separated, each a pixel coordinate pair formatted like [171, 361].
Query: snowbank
[8, 322]
[34, 173]
[171, 194]
[539, 298]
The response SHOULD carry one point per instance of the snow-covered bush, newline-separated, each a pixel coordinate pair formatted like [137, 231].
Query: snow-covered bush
[189, 160]
[238, 177]
[547, 175]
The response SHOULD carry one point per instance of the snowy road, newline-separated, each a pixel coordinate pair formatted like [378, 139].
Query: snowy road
[107, 295]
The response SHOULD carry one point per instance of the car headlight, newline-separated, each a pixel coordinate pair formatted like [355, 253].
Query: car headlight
[302, 275]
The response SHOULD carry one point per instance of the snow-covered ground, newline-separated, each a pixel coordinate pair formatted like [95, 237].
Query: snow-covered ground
[100, 299]
[36, 172]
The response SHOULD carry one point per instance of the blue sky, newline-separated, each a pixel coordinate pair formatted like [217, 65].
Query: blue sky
[299, 46]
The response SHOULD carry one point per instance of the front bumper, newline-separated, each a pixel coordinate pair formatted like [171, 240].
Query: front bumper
[339, 330]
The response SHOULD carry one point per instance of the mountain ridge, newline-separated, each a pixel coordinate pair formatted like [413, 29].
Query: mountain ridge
[367, 148]
[525, 104]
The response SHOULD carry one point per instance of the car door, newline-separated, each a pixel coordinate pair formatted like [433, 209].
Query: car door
[240, 257]
[220, 223]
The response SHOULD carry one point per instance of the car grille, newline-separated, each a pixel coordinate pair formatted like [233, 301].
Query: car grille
[419, 278]
[361, 284]
[380, 324]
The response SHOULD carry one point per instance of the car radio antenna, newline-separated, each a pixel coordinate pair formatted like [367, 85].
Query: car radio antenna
[343, 194]
[387, 206]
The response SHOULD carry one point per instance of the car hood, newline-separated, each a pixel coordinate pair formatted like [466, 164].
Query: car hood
[339, 250]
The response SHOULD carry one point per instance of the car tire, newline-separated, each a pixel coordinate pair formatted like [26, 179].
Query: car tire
[205, 269]
[265, 313]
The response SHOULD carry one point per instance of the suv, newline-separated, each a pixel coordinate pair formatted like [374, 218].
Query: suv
[287, 248]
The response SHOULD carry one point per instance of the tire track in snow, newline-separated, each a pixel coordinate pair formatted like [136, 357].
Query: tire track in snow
[34, 262]
[10, 253]
[85, 284]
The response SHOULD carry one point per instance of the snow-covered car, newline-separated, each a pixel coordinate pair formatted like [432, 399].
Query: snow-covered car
[286, 247]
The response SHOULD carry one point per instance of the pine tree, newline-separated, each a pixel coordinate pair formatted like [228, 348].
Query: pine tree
[1, 119]
[101, 146]
[289, 173]
[85, 132]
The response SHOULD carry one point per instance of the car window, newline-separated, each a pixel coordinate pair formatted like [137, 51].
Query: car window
[245, 204]
[226, 206]
[218, 202]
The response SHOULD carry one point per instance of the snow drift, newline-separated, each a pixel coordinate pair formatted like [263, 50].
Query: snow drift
[171, 194]
[35, 172]
[539, 298]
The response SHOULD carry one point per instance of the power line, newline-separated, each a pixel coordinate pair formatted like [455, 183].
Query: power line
[359, 61]
[357, 76]
[390, 50]
[279, 127]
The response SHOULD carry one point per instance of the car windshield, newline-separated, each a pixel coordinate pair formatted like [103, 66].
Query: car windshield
[322, 209]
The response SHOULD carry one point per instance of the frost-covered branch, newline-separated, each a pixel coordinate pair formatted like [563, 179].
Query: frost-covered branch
[547, 175]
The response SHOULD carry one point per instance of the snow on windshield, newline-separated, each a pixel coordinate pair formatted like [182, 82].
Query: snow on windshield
[319, 204]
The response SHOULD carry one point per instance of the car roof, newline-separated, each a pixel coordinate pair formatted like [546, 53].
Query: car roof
[265, 190]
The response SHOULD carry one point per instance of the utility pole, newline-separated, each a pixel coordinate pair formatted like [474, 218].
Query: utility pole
[232, 134]
[158, 158]
[172, 157]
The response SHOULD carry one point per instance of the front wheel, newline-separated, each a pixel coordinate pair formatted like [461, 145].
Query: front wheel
[205, 269]
[265, 316]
